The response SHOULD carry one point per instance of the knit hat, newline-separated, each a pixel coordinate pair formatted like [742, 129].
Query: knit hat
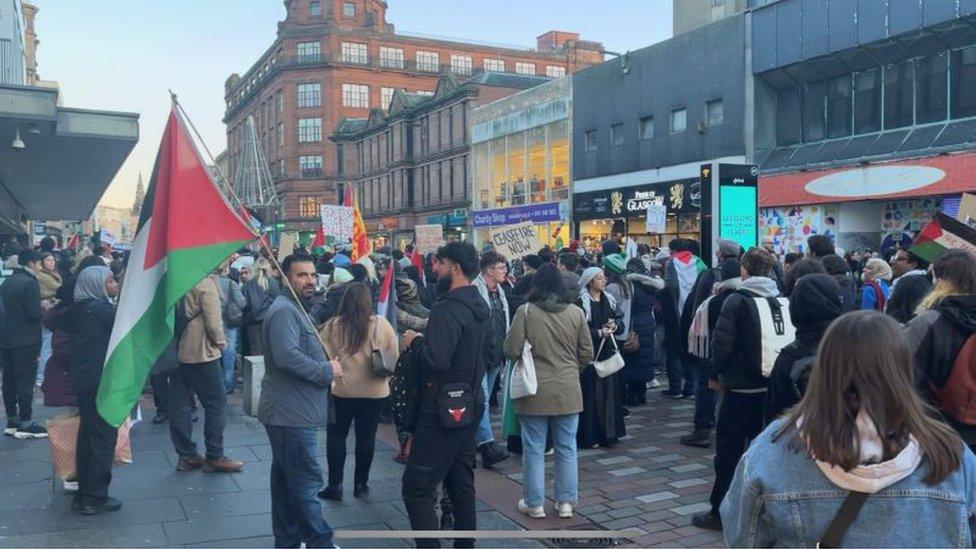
[340, 275]
[610, 247]
[728, 248]
[616, 263]
[878, 269]
[588, 275]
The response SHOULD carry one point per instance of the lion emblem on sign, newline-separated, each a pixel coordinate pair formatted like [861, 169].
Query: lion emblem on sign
[616, 202]
[677, 196]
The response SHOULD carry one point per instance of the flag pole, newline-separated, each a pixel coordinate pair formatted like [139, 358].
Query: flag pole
[237, 202]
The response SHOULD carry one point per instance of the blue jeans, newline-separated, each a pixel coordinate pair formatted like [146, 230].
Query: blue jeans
[681, 376]
[46, 351]
[484, 434]
[296, 513]
[229, 358]
[566, 472]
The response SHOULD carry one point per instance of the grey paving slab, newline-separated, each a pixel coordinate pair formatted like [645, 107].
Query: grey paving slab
[140, 535]
[59, 517]
[206, 529]
[657, 496]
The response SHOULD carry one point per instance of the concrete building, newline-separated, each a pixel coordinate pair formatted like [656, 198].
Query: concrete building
[689, 15]
[411, 166]
[644, 122]
[337, 59]
[865, 117]
[12, 49]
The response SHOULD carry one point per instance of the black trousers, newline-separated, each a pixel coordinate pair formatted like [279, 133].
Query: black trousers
[95, 451]
[740, 419]
[19, 374]
[162, 390]
[205, 380]
[438, 455]
[366, 413]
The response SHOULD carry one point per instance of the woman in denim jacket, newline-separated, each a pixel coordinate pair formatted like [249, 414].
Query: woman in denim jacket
[860, 427]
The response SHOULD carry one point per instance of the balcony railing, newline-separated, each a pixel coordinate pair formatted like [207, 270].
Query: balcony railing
[311, 172]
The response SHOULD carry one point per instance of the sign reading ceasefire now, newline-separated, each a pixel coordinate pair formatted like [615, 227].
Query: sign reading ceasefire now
[515, 241]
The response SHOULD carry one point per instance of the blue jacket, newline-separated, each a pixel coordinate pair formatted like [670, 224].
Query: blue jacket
[869, 299]
[779, 497]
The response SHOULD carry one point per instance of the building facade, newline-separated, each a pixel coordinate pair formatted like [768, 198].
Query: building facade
[411, 166]
[644, 122]
[688, 15]
[12, 48]
[336, 59]
[865, 117]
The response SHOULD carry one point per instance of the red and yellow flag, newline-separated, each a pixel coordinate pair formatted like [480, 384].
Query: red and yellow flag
[360, 243]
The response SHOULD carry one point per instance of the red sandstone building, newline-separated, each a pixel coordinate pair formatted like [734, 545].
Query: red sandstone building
[336, 59]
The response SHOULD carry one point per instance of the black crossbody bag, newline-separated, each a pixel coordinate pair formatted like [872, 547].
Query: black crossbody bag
[842, 520]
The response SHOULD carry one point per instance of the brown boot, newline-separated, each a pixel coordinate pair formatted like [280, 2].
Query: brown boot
[223, 465]
[190, 463]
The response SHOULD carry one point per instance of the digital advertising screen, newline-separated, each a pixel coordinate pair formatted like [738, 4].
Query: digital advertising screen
[738, 218]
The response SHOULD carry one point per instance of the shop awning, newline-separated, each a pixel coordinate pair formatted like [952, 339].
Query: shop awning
[929, 176]
[69, 156]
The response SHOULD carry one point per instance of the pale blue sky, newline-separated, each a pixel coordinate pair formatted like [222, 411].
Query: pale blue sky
[123, 54]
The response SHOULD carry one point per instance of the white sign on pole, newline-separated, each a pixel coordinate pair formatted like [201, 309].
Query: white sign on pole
[657, 216]
[286, 246]
[515, 241]
[428, 238]
[337, 221]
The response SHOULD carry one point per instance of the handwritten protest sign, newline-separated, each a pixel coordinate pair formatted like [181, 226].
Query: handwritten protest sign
[337, 221]
[656, 218]
[515, 241]
[429, 238]
[286, 245]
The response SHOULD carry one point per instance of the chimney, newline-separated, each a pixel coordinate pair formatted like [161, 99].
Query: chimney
[555, 40]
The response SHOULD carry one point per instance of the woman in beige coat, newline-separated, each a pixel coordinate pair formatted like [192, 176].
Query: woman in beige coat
[350, 337]
[561, 346]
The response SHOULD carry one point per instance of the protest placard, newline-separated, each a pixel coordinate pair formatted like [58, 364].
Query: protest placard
[428, 238]
[286, 245]
[337, 221]
[515, 241]
[657, 215]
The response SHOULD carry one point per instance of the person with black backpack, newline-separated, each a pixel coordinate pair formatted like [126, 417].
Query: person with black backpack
[232, 306]
[815, 302]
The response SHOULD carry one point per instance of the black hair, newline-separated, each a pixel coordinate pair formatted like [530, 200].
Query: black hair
[491, 257]
[547, 284]
[918, 261]
[397, 255]
[799, 269]
[820, 245]
[297, 257]
[533, 261]
[677, 245]
[359, 272]
[463, 254]
[791, 258]
[47, 244]
[28, 255]
[835, 264]
[692, 246]
[546, 255]
[569, 260]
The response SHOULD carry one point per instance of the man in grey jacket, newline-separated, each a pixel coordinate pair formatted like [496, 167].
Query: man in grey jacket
[294, 404]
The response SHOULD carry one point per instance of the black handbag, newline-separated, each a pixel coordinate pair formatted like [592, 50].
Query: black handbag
[381, 364]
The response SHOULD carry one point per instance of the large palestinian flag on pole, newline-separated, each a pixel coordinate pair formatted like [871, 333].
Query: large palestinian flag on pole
[186, 230]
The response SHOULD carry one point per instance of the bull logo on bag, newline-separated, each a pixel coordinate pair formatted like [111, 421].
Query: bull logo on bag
[457, 413]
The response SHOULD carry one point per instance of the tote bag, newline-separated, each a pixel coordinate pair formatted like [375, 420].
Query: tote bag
[611, 365]
[524, 381]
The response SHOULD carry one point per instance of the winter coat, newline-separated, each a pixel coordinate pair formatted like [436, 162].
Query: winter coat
[907, 292]
[935, 337]
[203, 339]
[357, 379]
[561, 347]
[411, 313]
[642, 305]
[89, 327]
[599, 313]
[57, 372]
[816, 301]
[869, 298]
[21, 295]
[848, 291]
[297, 375]
[258, 300]
[455, 345]
[230, 294]
[49, 283]
[736, 343]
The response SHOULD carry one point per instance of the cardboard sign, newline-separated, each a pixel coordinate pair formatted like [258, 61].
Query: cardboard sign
[286, 245]
[337, 221]
[657, 217]
[428, 238]
[967, 209]
[515, 241]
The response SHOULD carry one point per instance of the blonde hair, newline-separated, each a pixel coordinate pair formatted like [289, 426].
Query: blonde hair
[955, 274]
[262, 272]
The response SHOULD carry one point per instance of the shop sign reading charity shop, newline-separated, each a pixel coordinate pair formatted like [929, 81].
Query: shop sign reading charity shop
[536, 213]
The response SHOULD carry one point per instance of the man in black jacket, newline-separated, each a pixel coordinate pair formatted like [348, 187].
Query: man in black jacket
[910, 286]
[21, 344]
[452, 358]
[737, 357]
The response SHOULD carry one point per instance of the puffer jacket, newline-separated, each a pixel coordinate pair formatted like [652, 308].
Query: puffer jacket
[736, 344]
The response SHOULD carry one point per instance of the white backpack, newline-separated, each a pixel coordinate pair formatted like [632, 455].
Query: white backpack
[775, 329]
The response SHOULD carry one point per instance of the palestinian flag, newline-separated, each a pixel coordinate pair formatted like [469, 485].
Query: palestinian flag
[686, 267]
[317, 245]
[941, 234]
[360, 243]
[186, 230]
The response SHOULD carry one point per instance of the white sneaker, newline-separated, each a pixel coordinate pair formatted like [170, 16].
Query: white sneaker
[536, 512]
[564, 510]
[10, 431]
[70, 486]
[653, 384]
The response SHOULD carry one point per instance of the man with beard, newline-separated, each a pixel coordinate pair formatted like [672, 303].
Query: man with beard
[294, 404]
[452, 364]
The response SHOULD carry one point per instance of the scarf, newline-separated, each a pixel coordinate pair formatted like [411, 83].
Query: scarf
[586, 301]
[91, 283]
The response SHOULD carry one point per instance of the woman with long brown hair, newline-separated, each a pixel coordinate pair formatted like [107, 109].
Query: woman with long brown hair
[860, 435]
[351, 337]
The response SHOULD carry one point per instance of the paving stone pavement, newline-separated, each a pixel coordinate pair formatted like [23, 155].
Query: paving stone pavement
[648, 481]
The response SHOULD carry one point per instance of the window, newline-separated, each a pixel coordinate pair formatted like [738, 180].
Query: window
[310, 95]
[461, 64]
[309, 52]
[424, 92]
[717, 3]
[310, 166]
[309, 206]
[867, 101]
[281, 135]
[348, 10]
[788, 116]
[391, 57]
[645, 128]
[617, 135]
[355, 95]
[679, 120]
[589, 140]
[931, 88]
[495, 65]
[899, 93]
[314, 8]
[839, 106]
[386, 95]
[555, 72]
[428, 61]
[714, 112]
[524, 68]
[279, 102]
[814, 101]
[963, 82]
[309, 130]
[352, 52]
